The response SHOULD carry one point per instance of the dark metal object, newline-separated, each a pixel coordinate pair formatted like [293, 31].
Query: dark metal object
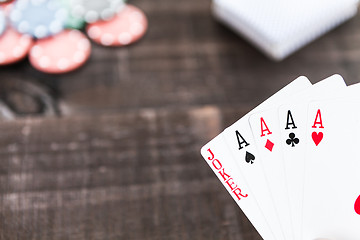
[21, 98]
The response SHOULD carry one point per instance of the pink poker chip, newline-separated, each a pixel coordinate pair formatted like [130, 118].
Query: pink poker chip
[128, 26]
[14, 46]
[7, 6]
[60, 53]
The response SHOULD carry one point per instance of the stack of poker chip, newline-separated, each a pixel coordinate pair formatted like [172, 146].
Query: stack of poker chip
[54, 33]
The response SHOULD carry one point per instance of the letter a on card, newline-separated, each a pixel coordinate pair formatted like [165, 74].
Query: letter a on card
[317, 136]
[265, 129]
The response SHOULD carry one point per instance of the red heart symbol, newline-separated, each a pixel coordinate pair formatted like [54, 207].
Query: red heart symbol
[317, 137]
[357, 205]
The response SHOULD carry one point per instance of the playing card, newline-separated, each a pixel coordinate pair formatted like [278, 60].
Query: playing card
[217, 155]
[266, 130]
[265, 134]
[292, 117]
[274, 157]
[280, 27]
[331, 195]
[243, 197]
[241, 144]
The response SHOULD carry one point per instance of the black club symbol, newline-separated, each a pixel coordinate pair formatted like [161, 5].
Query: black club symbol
[292, 140]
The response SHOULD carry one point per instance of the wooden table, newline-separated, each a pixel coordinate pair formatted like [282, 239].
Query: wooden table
[111, 151]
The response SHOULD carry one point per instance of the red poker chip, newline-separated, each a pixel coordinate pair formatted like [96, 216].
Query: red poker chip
[61, 53]
[14, 46]
[128, 26]
[6, 6]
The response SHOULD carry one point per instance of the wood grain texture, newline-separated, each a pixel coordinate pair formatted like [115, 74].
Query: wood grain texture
[187, 59]
[129, 176]
[123, 161]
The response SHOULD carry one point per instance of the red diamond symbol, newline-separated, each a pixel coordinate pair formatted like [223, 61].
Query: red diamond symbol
[269, 145]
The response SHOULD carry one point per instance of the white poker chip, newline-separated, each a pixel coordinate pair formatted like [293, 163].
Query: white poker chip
[39, 18]
[95, 10]
[2, 22]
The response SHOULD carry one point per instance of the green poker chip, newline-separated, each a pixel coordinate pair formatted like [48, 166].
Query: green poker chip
[72, 22]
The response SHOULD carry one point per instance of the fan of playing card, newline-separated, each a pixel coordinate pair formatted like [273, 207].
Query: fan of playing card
[292, 164]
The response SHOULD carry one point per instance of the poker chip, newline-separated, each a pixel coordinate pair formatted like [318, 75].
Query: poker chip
[72, 22]
[39, 18]
[61, 53]
[95, 10]
[14, 46]
[2, 22]
[6, 7]
[129, 25]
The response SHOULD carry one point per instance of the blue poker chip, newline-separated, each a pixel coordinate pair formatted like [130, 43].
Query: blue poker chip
[2, 22]
[39, 18]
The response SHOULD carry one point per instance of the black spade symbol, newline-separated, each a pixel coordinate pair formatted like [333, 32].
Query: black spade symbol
[249, 158]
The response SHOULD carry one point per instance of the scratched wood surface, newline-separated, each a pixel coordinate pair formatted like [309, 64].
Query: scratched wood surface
[128, 176]
[111, 151]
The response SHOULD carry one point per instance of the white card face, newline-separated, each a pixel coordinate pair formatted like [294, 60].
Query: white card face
[267, 135]
[241, 144]
[292, 122]
[217, 155]
[331, 196]
[248, 204]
